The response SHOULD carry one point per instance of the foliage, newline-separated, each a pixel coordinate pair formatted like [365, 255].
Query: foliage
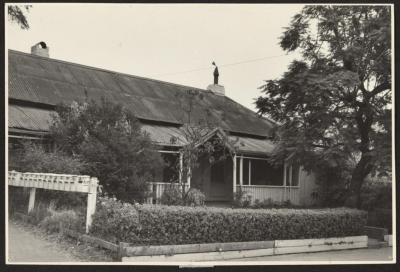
[334, 104]
[17, 14]
[158, 224]
[39, 213]
[381, 218]
[63, 219]
[375, 194]
[115, 221]
[194, 197]
[17, 199]
[32, 157]
[172, 195]
[109, 139]
[241, 199]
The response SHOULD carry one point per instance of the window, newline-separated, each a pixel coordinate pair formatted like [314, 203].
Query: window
[170, 170]
[295, 174]
[263, 173]
[292, 174]
[259, 172]
[246, 167]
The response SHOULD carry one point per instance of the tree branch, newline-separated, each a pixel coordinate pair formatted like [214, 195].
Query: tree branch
[380, 88]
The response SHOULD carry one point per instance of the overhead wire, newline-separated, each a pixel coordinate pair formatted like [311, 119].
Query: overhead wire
[222, 65]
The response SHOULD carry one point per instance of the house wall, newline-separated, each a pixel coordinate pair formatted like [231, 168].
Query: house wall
[307, 187]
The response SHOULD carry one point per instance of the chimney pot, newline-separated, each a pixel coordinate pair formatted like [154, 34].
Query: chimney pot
[40, 49]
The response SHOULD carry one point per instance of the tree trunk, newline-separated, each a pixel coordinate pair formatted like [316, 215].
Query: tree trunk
[362, 169]
[364, 118]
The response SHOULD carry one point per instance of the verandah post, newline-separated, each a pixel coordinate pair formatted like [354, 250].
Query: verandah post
[180, 167]
[234, 174]
[241, 171]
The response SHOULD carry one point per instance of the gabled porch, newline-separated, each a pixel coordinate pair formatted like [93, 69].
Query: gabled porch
[247, 170]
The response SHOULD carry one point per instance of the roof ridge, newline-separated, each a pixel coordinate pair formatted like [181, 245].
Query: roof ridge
[105, 70]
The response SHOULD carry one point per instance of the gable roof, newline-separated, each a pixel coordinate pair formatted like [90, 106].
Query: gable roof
[47, 81]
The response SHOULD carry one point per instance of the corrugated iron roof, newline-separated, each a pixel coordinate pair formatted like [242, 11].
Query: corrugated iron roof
[29, 118]
[248, 145]
[45, 80]
[23, 118]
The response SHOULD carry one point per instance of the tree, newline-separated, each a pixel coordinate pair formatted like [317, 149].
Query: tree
[18, 15]
[335, 104]
[110, 141]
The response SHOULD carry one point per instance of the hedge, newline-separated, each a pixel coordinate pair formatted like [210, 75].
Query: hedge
[159, 224]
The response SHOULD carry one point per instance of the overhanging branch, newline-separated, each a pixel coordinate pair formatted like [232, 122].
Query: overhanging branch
[380, 88]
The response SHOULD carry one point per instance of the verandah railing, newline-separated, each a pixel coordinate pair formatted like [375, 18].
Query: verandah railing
[278, 194]
[156, 189]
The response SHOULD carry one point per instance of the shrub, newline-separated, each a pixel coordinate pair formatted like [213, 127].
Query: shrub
[115, 221]
[194, 197]
[181, 225]
[17, 199]
[172, 195]
[34, 158]
[375, 194]
[266, 203]
[65, 219]
[39, 213]
[159, 224]
[241, 199]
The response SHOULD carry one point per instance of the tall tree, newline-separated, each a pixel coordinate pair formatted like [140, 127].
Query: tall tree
[18, 15]
[335, 104]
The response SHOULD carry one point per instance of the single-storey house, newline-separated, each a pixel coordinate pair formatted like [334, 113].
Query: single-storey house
[37, 83]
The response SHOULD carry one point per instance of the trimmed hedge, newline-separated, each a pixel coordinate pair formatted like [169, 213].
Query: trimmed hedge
[160, 224]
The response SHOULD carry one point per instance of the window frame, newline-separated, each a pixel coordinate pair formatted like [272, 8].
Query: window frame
[286, 180]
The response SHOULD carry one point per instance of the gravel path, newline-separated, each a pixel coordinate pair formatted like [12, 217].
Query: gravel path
[24, 246]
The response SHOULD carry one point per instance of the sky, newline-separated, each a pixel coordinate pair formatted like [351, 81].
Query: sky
[175, 43]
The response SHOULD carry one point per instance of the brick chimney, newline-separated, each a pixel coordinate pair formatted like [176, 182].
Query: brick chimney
[40, 49]
[216, 88]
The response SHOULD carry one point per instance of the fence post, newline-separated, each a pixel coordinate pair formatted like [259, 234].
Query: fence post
[91, 202]
[32, 193]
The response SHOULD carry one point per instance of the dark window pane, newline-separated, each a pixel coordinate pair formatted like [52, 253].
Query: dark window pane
[263, 173]
[217, 172]
[245, 171]
[287, 175]
[171, 164]
[295, 174]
